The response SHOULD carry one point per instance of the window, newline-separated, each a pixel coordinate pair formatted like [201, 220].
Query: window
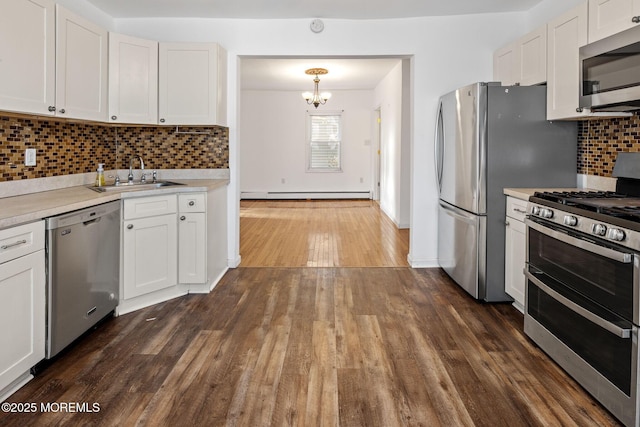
[324, 143]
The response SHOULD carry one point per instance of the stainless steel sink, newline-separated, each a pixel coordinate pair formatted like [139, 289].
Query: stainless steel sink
[137, 185]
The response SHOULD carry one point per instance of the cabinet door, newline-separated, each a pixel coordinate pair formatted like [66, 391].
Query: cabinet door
[607, 17]
[506, 64]
[188, 91]
[533, 57]
[22, 316]
[27, 56]
[192, 248]
[81, 67]
[133, 80]
[515, 258]
[149, 247]
[565, 35]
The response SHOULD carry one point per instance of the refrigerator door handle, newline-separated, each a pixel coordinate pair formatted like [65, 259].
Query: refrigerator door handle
[458, 213]
[439, 146]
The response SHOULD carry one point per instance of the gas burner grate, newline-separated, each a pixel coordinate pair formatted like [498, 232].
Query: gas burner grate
[630, 213]
[573, 197]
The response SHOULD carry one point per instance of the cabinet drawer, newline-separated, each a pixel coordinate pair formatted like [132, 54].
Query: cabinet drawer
[21, 240]
[150, 206]
[516, 208]
[192, 202]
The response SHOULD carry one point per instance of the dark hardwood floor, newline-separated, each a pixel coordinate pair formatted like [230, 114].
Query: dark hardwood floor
[303, 335]
[313, 346]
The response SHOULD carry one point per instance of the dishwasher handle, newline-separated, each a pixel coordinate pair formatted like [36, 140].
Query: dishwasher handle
[83, 216]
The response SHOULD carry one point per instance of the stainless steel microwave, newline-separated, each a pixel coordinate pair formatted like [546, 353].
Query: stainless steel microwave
[610, 72]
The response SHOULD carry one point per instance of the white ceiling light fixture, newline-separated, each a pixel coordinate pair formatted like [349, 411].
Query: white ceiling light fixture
[316, 98]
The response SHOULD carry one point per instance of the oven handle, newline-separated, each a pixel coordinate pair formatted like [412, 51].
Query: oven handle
[622, 257]
[614, 329]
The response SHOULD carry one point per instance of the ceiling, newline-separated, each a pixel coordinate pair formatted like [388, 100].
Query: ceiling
[288, 9]
[289, 73]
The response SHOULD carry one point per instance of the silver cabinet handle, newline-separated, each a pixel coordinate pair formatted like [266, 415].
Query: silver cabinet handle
[192, 203]
[579, 110]
[519, 210]
[182, 218]
[129, 227]
[506, 223]
[162, 120]
[51, 108]
[114, 117]
[62, 111]
[11, 245]
[604, 324]
[635, 19]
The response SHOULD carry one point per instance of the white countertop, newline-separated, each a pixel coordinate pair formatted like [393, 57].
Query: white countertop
[35, 206]
[525, 193]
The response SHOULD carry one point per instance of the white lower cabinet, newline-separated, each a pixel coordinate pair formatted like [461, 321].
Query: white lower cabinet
[515, 251]
[149, 246]
[22, 304]
[166, 248]
[149, 249]
[192, 242]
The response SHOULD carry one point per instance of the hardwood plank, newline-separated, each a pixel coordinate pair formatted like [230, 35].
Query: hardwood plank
[314, 346]
[332, 233]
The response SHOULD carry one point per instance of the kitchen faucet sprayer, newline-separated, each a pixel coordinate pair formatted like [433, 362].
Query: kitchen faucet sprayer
[131, 160]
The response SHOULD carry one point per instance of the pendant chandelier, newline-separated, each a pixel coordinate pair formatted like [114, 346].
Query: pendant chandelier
[316, 98]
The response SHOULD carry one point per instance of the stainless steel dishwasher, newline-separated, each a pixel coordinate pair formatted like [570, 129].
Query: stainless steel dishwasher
[83, 264]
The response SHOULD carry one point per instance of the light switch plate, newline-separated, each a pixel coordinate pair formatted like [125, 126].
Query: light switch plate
[30, 157]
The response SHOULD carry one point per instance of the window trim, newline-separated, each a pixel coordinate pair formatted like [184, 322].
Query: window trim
[308, 141]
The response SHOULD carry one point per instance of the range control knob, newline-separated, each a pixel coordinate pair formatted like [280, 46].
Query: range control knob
[599, 229]
[570, 220]
[546, 213]
[535, 210]
[616, 234]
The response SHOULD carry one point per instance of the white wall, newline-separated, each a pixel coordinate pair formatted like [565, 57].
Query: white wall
[273, 128]
[394, 155]
[547, 10]
[446, 52]
[89, 11]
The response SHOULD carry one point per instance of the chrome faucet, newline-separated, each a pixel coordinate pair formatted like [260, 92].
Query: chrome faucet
[131, 160]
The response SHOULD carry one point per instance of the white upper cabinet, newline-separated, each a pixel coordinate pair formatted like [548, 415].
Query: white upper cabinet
[192, 84]
[523, 62]
[607, 17]
[81, 67]
[566, 34]
[133, 80]
[27, 56]
[533, 57]
[505, 65]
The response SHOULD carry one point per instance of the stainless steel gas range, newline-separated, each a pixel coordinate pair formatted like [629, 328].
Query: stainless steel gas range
[582, 292]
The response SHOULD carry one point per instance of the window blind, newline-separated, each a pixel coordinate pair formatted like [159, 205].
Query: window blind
[325, 141]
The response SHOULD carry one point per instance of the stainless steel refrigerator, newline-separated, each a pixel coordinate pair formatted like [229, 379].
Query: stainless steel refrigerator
[489, 137]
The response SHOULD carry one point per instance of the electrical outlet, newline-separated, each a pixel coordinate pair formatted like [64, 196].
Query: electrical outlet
[30, 157]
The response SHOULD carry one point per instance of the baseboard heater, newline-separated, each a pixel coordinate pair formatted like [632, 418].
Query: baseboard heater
[275, 195]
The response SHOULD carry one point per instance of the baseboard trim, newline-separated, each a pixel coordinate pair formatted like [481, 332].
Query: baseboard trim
[292, 195]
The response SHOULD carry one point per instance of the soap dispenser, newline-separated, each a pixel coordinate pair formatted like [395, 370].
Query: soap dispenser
[100, 175]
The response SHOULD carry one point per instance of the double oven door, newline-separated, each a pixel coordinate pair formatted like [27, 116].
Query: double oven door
[581, 309]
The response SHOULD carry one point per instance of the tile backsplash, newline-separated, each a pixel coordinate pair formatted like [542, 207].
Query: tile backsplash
[600, 141]
[64, 148]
